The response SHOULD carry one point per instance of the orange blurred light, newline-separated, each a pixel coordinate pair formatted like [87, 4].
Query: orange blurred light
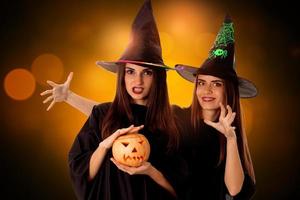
[203, 43]
[184, 18]
[114, 39]
[167, 43]
[80, 32]
[19, 84]
[96, 83]
[47, 67]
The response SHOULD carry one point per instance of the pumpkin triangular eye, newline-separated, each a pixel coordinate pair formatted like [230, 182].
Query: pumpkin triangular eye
[141, 142]
[125, 144]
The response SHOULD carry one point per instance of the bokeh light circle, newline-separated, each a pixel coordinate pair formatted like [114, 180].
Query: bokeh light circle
[47, 67]
[19, 84]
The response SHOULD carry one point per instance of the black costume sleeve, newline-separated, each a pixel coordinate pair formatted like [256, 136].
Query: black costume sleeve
[81, 151]
[175, 170]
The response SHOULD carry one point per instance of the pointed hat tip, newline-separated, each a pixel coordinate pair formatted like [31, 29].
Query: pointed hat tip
[227, 18]
[147, 2]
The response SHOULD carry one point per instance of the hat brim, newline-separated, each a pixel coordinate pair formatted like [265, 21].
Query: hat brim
[186, 72]
[247, 89]
[113, 66]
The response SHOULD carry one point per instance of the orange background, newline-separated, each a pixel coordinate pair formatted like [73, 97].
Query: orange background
[46, 41]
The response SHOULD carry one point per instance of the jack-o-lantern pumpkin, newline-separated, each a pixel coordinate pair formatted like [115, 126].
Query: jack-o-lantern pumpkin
[131, 149]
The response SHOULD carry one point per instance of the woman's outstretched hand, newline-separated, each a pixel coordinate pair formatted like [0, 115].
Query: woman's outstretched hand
[58, 93]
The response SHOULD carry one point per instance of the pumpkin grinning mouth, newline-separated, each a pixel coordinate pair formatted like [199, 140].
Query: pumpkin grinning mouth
[125, 158]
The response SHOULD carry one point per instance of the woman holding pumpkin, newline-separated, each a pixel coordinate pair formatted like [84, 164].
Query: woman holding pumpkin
[93, 174]
[141, 99]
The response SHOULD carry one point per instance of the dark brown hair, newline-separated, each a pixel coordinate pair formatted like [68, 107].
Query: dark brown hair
[233, 100]
[159, 116]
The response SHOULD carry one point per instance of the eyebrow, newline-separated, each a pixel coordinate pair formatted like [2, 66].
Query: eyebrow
[146, 69]
[129, 68]
[214, 81]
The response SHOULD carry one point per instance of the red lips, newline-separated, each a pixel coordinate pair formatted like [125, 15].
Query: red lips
[137, 90]
[207, 99]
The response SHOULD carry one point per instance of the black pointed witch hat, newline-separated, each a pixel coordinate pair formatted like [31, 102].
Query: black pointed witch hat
[221, 62]
[144, 47]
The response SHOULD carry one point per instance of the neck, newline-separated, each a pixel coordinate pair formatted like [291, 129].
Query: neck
[140, 102]
[210, 115]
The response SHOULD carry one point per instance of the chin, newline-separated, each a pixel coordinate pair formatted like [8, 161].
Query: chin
[209, 108]
[206, 106]
[138, 97]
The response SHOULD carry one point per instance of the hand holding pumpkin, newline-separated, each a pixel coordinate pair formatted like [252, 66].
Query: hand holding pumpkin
[108, 142]
[224, 123]
[142, 169]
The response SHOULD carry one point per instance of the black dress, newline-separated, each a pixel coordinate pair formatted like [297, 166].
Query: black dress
[201, 151]
[110, 183]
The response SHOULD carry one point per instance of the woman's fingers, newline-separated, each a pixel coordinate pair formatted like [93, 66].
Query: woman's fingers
[69, 79]
[48, 99]
[229, 113]
[136, 129]
[231, 119]
[46, 92]
[122, 131]
[125, 130]
[130, 129]
[57, 91]
[229, 110]
[116, 163]
[51, 105]
[51, 83]
[223, 111]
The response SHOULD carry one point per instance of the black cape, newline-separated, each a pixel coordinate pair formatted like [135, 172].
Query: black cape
[111, 183]
[201, 151]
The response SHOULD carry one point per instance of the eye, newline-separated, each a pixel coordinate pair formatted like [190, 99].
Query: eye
[148, 72]
[129, 71]
[125, 144]
[141, 142]
[217, 84]
[201, 83]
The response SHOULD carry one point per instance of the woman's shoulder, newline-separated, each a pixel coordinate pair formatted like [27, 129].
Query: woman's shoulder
[177, 110]
[101, 108]
[99, 111]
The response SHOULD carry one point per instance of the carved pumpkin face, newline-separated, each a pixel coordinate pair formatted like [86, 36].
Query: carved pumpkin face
[131, 149]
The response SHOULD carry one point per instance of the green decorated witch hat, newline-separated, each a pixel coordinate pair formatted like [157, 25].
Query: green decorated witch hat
[221, 62]
[144, 47]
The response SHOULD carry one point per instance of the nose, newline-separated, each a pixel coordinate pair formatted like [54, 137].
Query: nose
[134, 150]
[208, 89]
[139, 79]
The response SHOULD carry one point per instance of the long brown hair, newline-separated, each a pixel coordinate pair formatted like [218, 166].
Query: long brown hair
[159, 116]
[233, 100]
